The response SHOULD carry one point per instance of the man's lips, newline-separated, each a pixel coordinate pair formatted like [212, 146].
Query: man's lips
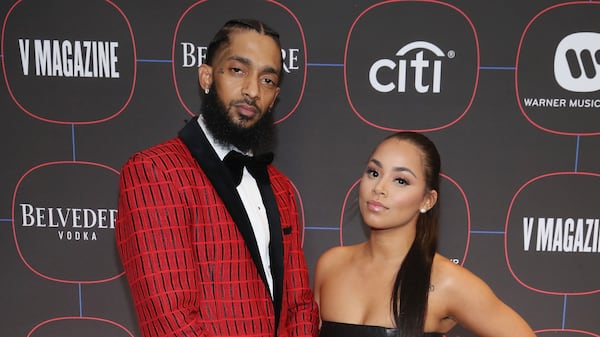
[246, 110]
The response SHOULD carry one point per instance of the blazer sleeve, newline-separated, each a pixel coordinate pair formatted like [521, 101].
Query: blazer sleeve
[303, 314]
[153, 241]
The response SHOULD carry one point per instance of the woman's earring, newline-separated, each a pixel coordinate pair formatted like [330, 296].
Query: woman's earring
[206, 91]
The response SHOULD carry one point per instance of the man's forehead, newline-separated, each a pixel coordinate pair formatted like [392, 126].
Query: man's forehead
[250, 44]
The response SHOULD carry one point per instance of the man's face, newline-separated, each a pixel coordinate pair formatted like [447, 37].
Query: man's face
[245, 75]
[244, 83]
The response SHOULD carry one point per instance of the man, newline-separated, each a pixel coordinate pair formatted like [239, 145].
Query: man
[203, 255]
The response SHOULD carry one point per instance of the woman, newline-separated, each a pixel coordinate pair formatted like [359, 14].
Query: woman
[396, 284]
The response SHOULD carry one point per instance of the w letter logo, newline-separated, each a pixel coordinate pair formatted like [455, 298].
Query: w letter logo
[577, 62]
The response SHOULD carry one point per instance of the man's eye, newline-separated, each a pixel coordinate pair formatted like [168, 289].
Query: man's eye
[269, 81]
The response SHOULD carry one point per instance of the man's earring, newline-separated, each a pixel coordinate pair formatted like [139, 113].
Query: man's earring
[423, 210]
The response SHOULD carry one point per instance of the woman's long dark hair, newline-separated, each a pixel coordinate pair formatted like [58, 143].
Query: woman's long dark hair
[412, 285]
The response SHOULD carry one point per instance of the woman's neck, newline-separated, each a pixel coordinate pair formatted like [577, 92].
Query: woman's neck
[389, 245]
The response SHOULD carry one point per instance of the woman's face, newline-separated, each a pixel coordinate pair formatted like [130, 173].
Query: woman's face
[392, 188]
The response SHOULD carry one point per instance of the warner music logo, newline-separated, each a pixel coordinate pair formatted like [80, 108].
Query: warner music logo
[194, 56]
[425, 68]
[561, 102]
[577, 62]
[72, 224]
[64, 58]
[567, 235]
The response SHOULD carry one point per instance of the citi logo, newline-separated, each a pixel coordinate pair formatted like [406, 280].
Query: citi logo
[427, 73]
[577, 62]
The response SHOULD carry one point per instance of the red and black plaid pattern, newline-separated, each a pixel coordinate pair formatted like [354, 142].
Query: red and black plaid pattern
[189, 269]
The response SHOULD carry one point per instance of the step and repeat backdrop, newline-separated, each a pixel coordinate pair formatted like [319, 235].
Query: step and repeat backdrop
[508, 90]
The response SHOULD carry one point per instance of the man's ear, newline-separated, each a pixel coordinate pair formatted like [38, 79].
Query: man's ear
[274, 97]
[205, 76]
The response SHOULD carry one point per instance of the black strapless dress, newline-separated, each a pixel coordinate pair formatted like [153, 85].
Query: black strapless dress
[335, 329]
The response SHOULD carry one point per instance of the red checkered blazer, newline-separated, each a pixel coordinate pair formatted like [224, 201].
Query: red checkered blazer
[190, 255]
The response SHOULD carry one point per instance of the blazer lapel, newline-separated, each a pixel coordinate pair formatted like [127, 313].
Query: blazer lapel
[195, 140]
[275, 244]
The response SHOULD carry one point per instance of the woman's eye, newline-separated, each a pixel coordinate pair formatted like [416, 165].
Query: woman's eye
[401, 181]
[372, 173]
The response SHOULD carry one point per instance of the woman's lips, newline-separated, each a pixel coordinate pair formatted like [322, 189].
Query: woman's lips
[375, 206]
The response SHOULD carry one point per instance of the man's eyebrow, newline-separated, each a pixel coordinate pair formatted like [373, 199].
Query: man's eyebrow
[241, 59]
[248, 62]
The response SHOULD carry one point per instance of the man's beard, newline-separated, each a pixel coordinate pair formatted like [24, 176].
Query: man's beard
[256, 138]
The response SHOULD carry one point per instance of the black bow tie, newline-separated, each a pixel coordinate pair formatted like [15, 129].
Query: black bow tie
[257, 166]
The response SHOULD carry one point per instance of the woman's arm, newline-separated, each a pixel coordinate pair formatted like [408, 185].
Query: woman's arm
[475, 306]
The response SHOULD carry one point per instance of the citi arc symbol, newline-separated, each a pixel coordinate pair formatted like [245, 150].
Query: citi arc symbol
[419, 63]
[577, 62]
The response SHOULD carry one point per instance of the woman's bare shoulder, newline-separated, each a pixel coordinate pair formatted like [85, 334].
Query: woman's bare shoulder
[336, 258]
[331, 263]
[336, 255]
[456, 282]
[447, 274]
